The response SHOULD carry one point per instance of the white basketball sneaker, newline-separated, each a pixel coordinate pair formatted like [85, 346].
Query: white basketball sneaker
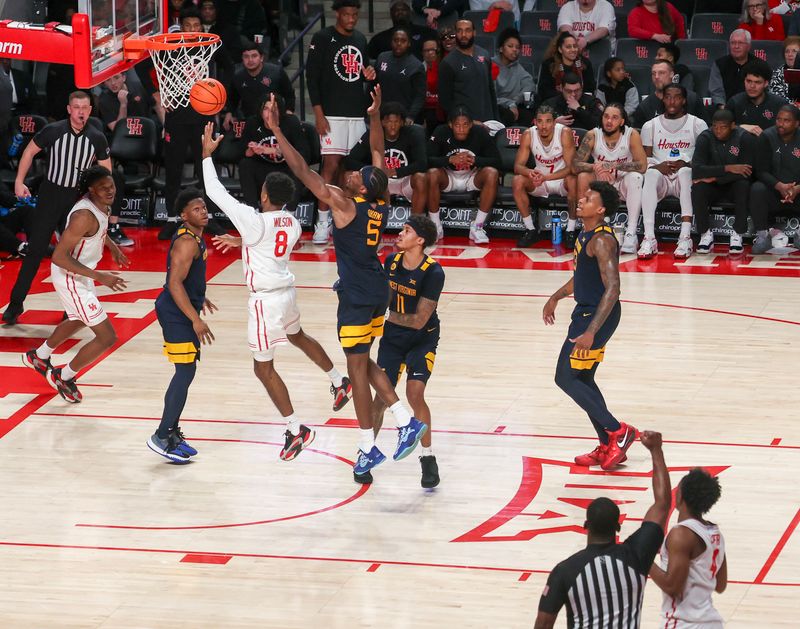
[477, 234]
[439, 231]
[630, 243]
[321, 234]
[684, 248]
[649, 249]
[736, 246]
[706, 244]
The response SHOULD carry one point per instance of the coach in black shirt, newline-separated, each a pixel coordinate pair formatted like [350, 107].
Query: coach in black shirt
[596, 583]
[72, 145]
[755, 109]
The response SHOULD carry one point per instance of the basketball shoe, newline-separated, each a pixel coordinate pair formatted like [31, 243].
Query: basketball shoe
[618, 443]
[595, 457]
[408, 437]
[295, 444]
[177, 440]
[39, 365]
[341, 394]
[648, 250]
[167, 449]
[365, 461]
[66, 388]
[430, 471]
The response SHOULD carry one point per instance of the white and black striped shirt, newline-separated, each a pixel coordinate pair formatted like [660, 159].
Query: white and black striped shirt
[69, 152]
[603, 584]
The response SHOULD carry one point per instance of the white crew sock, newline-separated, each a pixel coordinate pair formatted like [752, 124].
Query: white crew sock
[323, 217]
[67, 373]
[335, 377]
[292, 425]
[44, 351]
[366, 440]
[434, 216]
[427, 451]
[480, 218]
[571, 223]
[528, 222]
[686, 229]
[401, 415]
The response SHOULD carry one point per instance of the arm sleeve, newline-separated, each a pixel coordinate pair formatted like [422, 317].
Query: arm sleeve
[243, 217]
[433, 283]
[645, 543]
[554, 594]
[564, 17]
[764, 162]
[636, 27]
[101, 150]
[436, 157]
[293, 130]
[445, 87]
[702, 161]
[46, 136]
[631, 100]
[360, 155]
[287, 90]
[418, 157]
[747, 149]
[314, 69]
[716, 87]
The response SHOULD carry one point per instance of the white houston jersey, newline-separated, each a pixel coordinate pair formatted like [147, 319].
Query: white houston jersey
[90, 249]
[548, 158]
[621, 151]
[267, 237]
[695, 605]
[672, 139]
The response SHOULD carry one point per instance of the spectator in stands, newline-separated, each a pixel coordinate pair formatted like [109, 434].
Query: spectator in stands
[777, 83]
[400, 13]
[778, 175]
[432, 114]
[755, 109]
[574, 107]
[435, 11]
[663, 75]
[722, 165]
[222, 58]
[247, 17]
[406, 159]
[616, 87]
[22, 91]
[252, 83]
[563, 56]
[463, 158]
[589, 21]
[726, 78]
[336, 71]
[174, 9]
[262, 155]
[447, 39]
[683, 75]
[401, 75]
[658, 20]
[512, 80]
[760, 22]
[465, 77]
[118, 101]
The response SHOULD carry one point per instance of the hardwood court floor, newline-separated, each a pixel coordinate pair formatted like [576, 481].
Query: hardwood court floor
[97, 531]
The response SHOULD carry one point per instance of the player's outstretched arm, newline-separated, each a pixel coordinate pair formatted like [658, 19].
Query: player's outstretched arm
[376, 144]
[662, 488]
[181, 257]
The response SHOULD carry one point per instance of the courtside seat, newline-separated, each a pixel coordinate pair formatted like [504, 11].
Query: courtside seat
[508, 142]
[134, 145]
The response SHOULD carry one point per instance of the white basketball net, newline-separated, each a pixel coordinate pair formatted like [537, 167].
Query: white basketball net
[180, 68]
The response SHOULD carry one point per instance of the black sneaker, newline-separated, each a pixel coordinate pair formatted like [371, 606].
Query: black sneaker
[363, 479]
[118, 236]
[430, 471]
[66, 388]
[11, 314]
[569, 238]
[168, 230]
[530, 237]
[341, 394]
[39, 365]
[295, 444]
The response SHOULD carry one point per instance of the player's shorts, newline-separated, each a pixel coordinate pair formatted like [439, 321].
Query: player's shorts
[401, 186]
[674, 623]
[461, 180]
[78, 296]
[415, 352]
[581, 318]
[344, 134]
[553, 186]
[358, 324]
[181, 344]
[622, 181]
[271, 317]
[667, 185]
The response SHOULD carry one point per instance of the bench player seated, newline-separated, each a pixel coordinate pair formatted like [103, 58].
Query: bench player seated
[411, 332]
[618, 158]
[550, 145]
[406, 161]
[669, 141]
[463, 158]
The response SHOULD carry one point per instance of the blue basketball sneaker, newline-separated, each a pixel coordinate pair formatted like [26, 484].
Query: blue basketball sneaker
[408, 437]
[177, 440]
[365, 462]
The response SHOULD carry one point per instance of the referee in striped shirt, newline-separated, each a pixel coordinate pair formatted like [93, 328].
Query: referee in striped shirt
[73, 146]
[603, 584]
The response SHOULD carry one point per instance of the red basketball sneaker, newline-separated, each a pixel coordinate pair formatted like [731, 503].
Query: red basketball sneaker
[618, 443]
[595, 457]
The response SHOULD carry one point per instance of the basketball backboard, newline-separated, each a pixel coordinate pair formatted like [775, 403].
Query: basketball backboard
[93, 43]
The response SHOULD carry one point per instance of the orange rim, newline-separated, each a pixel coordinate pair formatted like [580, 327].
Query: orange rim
[171, 41]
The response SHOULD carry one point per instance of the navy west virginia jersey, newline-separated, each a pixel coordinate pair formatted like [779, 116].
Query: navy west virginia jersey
[361, 275]
[195, 282]
[588, 283]
[407, 286]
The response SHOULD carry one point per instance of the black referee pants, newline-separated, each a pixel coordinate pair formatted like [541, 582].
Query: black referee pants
[51, 211]
[764, 202]
[178, 137]
[706, 194]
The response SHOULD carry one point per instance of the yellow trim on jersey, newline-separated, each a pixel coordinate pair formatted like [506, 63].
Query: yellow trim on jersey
[363, 200]
[595, 356]
[181, 352]
[430, 358]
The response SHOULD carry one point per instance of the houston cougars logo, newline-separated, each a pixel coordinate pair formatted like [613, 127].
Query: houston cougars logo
[238, 128]
[134, 126]
[395, 159]
[27, 125]
[348, 63]
[513, 136]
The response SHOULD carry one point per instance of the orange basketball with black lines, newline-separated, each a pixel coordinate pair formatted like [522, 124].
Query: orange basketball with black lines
[208, 97]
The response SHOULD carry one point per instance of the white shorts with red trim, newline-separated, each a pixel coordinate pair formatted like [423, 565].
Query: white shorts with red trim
[461, 180]
[271, 317]
[78, 296]
[552, 186]
[401, 186]
[344, 134]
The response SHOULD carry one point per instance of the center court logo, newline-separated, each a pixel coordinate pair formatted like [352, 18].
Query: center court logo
[348, 63]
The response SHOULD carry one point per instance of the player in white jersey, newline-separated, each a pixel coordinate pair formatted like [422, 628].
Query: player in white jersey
[669, 141]
[693, 561]
[618, 158]
[267, 239]
[73, 272]
[551, 146]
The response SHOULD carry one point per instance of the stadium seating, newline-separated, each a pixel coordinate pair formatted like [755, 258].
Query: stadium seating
[539, 23]
[636, 51]
[702, 52]
[769, 51]
[134, 148]
[713, 25]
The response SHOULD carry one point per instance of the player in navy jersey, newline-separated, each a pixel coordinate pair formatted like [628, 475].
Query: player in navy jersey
[411, 333]
[359, 218]
[595, 285]
[178, 308]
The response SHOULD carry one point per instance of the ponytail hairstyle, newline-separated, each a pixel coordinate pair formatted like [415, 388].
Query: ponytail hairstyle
[90, 176]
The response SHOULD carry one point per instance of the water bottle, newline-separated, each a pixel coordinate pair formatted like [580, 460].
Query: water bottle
[555, 226]
[16, 143]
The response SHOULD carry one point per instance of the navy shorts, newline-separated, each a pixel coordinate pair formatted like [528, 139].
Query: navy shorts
[181, 344]
[581, 318]
[358, 324]
[415, 352]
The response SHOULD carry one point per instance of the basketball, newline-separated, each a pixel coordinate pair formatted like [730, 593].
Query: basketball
[208, 97]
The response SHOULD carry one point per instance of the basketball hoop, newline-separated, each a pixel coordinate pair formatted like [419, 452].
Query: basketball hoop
[180, 60]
